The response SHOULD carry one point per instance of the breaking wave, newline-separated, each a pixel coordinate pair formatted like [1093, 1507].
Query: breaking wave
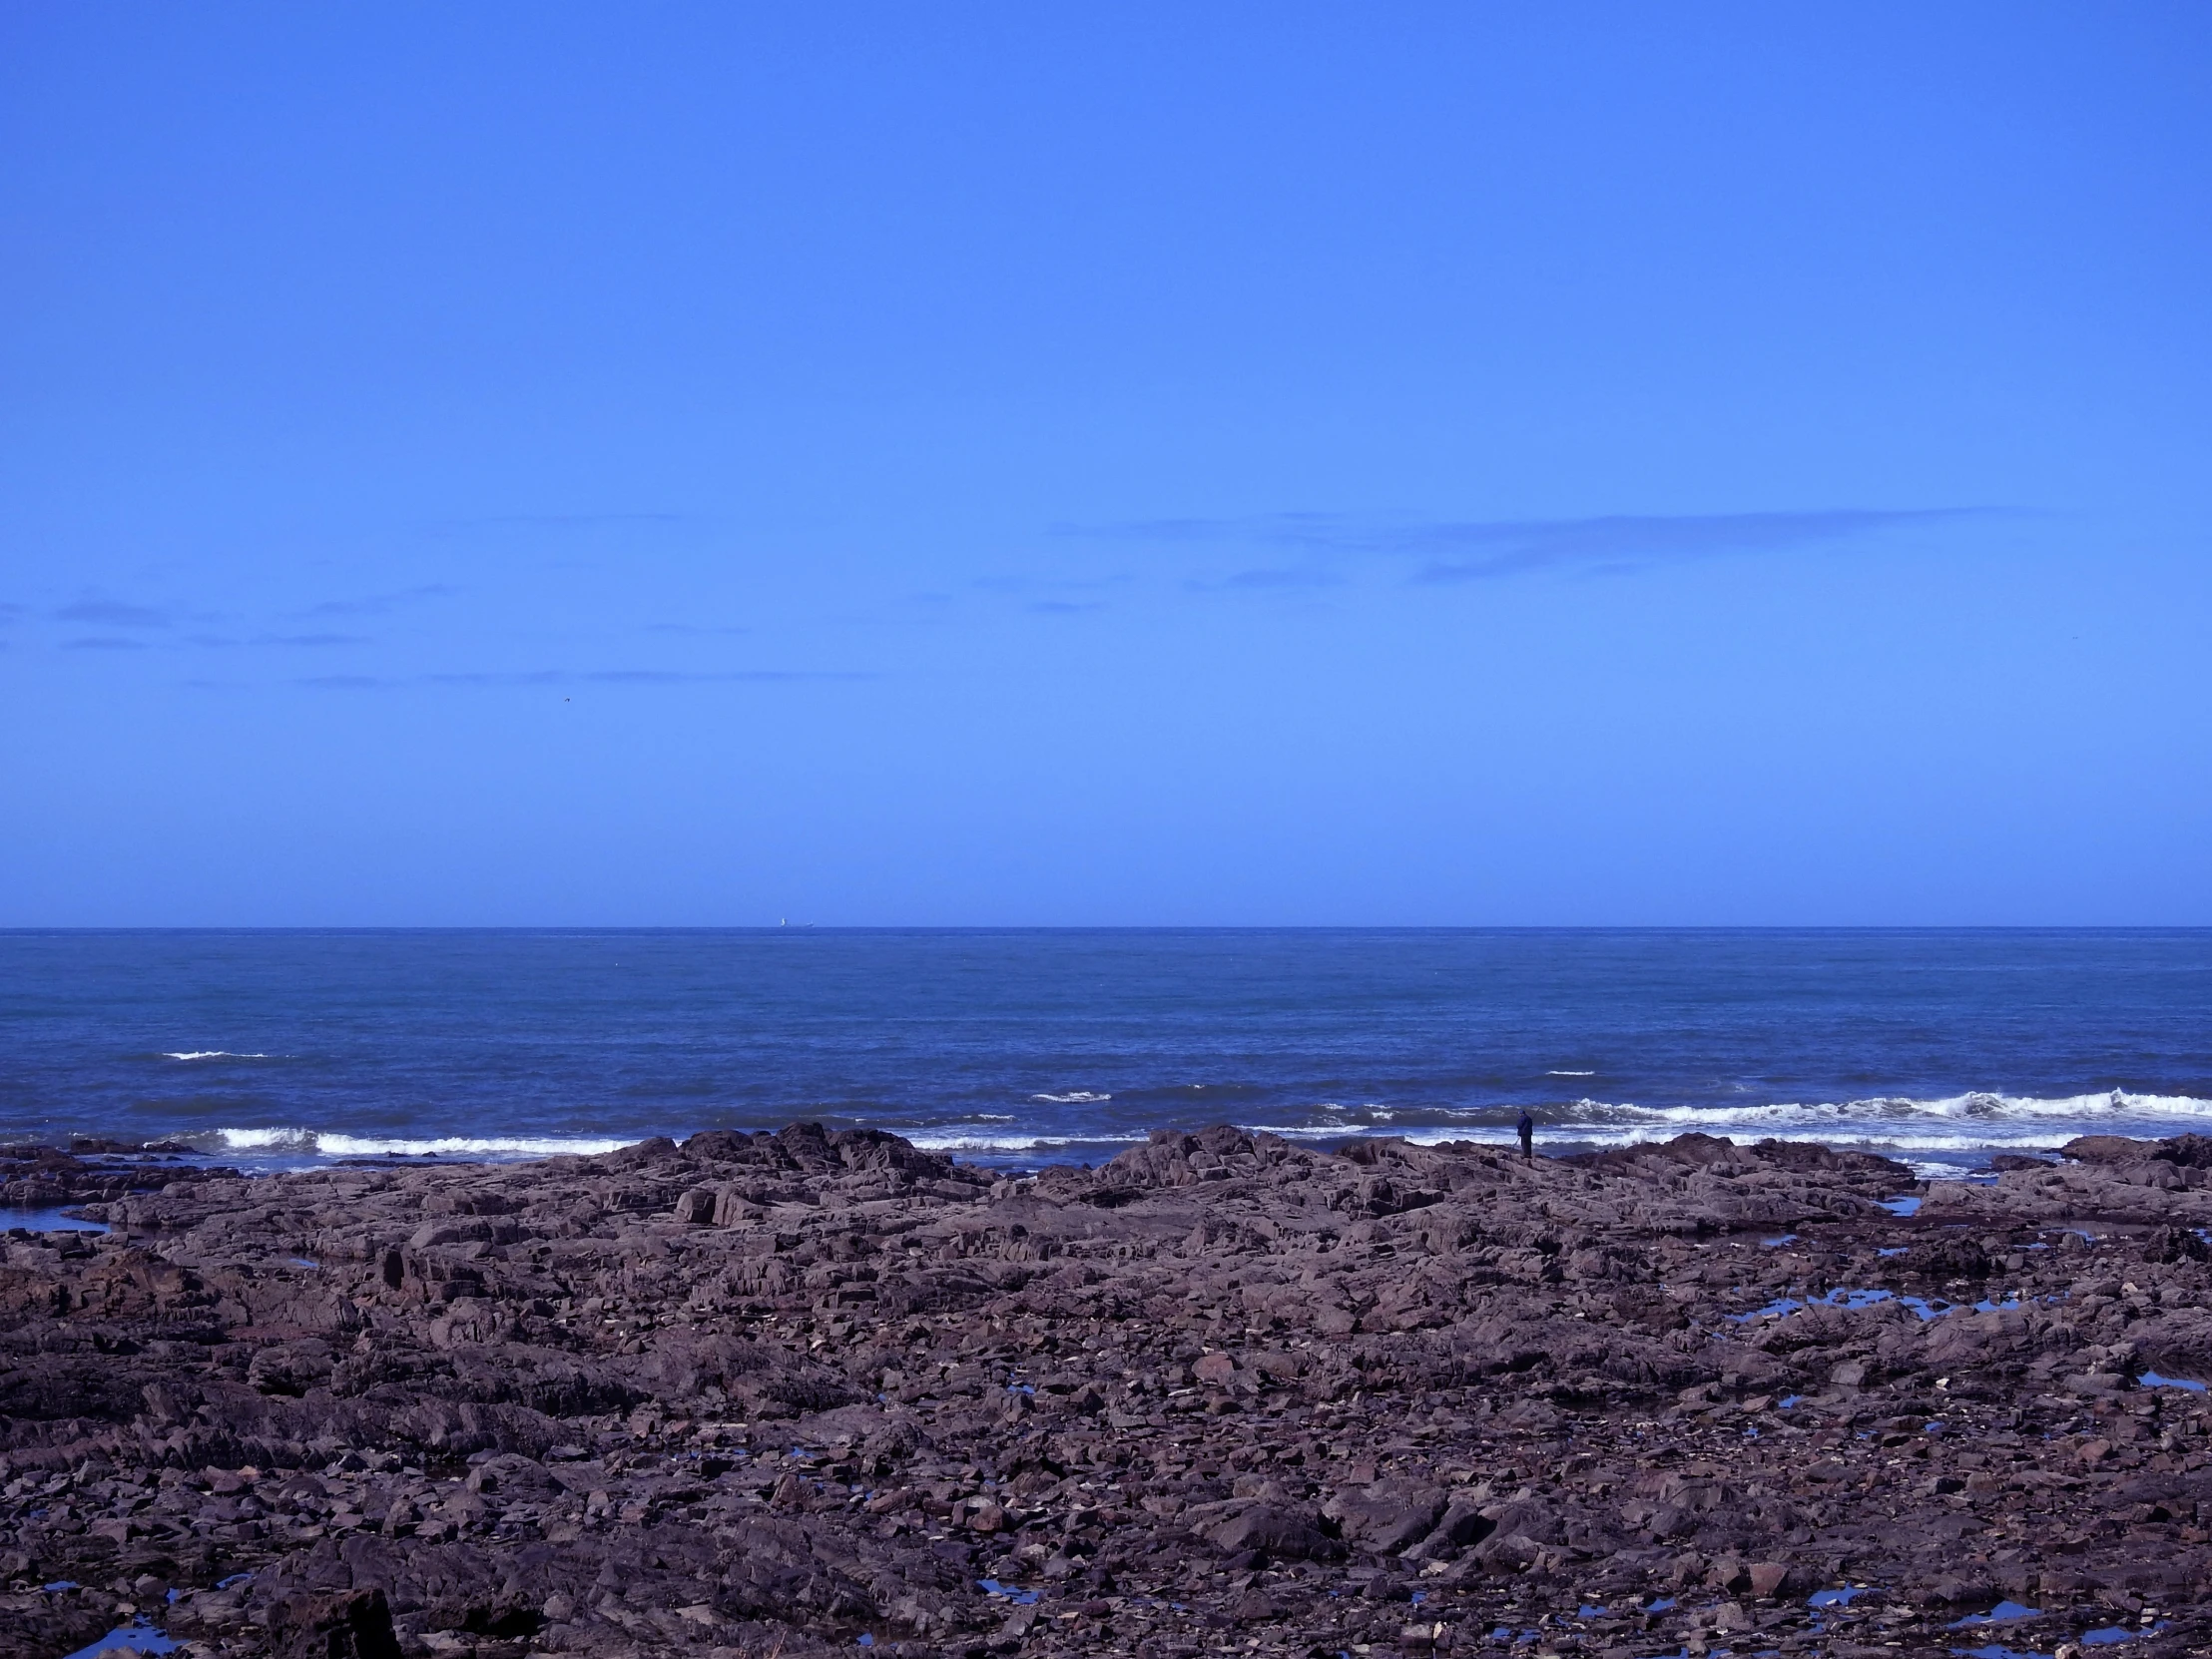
[1940, 1128]
[1958, 1122]
[965, 1140]
[295, 1144]
[1946, 1134]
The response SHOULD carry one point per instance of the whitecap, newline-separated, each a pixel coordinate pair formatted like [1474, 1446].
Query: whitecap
[507, 1146]
[959, 1140]
[1978, 1120]
[298, 1142]
[261, 1140]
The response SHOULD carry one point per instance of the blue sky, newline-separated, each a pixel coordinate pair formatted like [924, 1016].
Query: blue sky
[1144, 464]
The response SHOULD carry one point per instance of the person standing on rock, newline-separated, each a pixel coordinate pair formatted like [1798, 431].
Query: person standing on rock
[1527, 1129]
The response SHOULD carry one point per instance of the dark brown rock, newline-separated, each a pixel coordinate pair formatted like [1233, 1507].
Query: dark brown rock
[1282, 1534]
[1388, 1515]
[353, 1625]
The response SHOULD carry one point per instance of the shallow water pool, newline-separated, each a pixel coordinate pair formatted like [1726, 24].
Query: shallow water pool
[130, 1638]
[47, 1221]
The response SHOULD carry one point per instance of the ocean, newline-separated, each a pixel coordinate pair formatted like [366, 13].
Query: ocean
[280, 1049]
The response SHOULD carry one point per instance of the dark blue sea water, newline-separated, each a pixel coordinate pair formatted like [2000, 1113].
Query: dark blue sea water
[278, 1048]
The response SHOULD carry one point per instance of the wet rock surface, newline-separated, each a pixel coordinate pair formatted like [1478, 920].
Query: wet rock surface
[789, 1393]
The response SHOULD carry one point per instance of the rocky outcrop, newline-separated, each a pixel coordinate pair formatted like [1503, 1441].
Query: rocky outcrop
[782, 1393]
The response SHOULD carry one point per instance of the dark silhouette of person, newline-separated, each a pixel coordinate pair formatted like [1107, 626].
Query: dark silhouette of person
[1527, 1129]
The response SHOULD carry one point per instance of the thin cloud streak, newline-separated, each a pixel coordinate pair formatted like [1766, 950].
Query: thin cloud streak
[113, 612]
[564, 520]
[586, 677]
[1511, 548]
[1263, 580]
[1480, 550]
[505, 525]
[378, 604]
[737, 676]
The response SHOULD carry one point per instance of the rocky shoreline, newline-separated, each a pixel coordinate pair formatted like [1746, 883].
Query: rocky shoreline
[783, 1394]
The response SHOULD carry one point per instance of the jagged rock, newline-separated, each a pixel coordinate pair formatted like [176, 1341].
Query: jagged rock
[353, 1625]
[1279, 1533]
[1388, 1515]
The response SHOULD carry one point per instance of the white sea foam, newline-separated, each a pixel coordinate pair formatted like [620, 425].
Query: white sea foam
[965, 1140]
[212, 1054]
[1922, 1131]
[1928, 1133]
[514, 1146]
[261, 1140]
[329, 1144]
[1963, 1120]
[1075, 1097]
[1951, 1124]
[1570, 1074]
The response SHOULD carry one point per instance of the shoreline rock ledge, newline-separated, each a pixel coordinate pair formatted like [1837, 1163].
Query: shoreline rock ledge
[808, 1391]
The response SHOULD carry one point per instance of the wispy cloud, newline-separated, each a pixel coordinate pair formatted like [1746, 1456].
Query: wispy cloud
[1478, 552]
[379, 604]
[586, 677]
[1047, 595]
[1281, 580]
[104, 642]
[228, 642]
[514, 532]
[1468, 550]
[564, 521]
[525, 677]
[113, 612]
[739, 676]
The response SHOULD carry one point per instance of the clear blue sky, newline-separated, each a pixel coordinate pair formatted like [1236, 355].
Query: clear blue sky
[1233, 463]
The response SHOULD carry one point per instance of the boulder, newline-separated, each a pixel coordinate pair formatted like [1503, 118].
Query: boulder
[1388, 1515]
[353, 1624]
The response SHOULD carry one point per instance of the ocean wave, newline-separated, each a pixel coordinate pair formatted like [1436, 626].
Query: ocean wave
[510, 1146]
[212, 1054]
[1951, 1124]
[1075, 1097]
[263, 1140]
[295, 1142]
[1945, 1130]
[1940, 1126]
[958, 1140]
[1986, 1113]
